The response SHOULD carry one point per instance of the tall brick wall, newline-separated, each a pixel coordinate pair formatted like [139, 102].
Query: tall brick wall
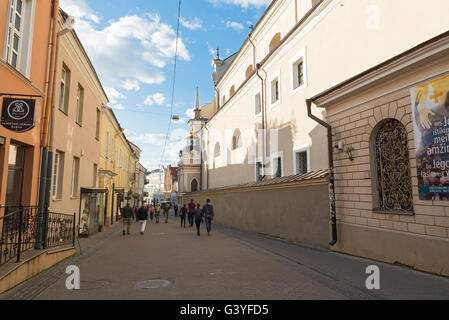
[353, 186]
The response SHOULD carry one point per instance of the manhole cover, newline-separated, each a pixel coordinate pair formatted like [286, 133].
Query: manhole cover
[153, 284]
[92, 285]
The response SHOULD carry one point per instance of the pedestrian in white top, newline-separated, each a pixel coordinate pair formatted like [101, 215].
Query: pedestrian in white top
[142, 217]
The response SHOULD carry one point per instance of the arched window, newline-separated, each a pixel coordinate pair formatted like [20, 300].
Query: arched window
[275, 41]
[392, 167]
[217, 150]
[236, 139]
[194, 185]
[231, 91]
[249, 71]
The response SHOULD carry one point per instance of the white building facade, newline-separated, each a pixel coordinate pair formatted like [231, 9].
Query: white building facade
[155, 186]
[299, 48]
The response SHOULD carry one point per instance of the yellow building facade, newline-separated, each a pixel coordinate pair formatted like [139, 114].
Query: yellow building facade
[116, 164]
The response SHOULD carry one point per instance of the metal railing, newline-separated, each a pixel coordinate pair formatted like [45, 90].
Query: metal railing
[20, 231]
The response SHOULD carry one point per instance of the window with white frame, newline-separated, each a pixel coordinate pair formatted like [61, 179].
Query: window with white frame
[15, 32]
[58, 174]
[64, 89]
[258, 104]
[79, 104]
[236, 140]
[277, 165]
[301, 159]
[18, 37]
[107, 144]
[97, 127]
[75, 177]
[298, 71]
[275, 90]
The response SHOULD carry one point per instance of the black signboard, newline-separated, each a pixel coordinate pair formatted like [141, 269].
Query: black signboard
[18, 114]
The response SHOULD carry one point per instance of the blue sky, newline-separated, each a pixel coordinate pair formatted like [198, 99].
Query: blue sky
[131, 44]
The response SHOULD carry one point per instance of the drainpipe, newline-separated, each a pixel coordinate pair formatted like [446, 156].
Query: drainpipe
[48, 101]
[46, 164]
[201, 159]
[331, 170]
[262, 103]
[207, 167]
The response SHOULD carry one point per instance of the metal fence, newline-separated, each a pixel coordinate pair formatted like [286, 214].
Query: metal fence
[22, 229]
[61, 229]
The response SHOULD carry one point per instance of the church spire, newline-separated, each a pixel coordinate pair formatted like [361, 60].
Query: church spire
[197, 105]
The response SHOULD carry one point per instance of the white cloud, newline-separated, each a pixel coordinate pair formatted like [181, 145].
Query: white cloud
[190, 113]
[157, 98]
[192, 25]
[235, 25]
[117, 106]
[114, 95]
[243, 3]
[79, 9]
[130, 51]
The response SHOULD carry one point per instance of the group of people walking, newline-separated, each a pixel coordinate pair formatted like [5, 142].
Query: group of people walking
[193, 212]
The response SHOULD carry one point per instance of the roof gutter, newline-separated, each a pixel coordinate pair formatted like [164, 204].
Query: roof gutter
[331, 171]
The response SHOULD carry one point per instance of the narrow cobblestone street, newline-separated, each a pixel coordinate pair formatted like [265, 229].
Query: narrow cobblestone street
[230, 264]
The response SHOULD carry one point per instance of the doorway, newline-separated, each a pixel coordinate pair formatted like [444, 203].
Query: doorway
[16, 163]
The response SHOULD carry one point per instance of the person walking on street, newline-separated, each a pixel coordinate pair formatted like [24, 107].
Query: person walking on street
[176, 209]
[151, 212]
[157, 212]
[166, 212]
[142, 217]
[191, 212]
[198, 214]
[127, 215]
[208, 212]
[183, 214]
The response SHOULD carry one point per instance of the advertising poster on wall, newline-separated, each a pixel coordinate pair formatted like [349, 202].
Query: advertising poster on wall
[430, 105]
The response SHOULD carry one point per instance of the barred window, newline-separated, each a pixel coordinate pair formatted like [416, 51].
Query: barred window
[394, 188]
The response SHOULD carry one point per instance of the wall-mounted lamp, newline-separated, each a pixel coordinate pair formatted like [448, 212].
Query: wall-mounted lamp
[340, 146]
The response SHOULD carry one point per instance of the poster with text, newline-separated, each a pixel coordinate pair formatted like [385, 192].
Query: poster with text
[430, 105]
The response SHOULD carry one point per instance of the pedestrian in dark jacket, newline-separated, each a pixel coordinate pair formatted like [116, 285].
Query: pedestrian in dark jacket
[208, 212]
[128, 216]
[191, 212]
[142, 217]
[198, 215]
[183, 214]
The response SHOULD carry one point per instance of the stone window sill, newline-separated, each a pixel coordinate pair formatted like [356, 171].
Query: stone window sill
[404, 213]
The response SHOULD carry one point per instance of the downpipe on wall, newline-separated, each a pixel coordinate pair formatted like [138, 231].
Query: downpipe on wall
[331, 171]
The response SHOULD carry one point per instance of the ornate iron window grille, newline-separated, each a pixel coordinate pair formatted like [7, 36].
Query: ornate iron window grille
[393, 168]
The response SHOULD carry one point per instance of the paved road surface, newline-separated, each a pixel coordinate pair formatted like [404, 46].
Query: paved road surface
[230, 264]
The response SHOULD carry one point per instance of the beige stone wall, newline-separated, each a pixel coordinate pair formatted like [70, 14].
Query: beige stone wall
[354, 187]
[420, 240]
[297, 213]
